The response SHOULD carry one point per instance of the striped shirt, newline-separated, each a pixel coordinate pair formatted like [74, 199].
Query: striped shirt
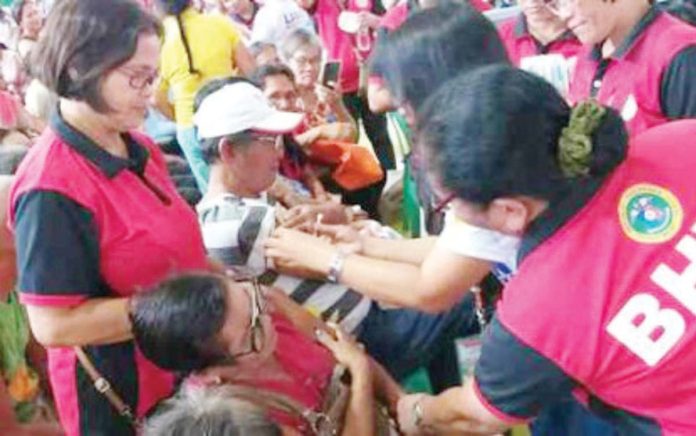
[234, 230]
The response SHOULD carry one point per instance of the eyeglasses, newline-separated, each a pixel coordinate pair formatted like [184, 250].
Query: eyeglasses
[266, 139]
[302, 61]
[139, 80]
[257, 336]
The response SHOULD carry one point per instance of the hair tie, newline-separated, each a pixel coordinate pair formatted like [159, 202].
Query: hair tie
[575, 143]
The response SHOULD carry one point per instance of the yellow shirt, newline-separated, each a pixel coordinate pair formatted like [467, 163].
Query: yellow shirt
[212, 40]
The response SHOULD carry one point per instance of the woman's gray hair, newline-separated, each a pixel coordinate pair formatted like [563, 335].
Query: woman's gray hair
[298, 39]
[206, 411]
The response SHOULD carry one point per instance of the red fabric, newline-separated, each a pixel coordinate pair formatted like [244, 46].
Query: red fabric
[522, 46]
[579, 279]
[9, 111]
[307, 365]
[480, 5]
[338, 44]
[394, 17]
[142, 241]
[51, 300]
[637, 75]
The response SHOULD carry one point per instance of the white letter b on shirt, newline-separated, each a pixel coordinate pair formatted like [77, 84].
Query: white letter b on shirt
[656, 333]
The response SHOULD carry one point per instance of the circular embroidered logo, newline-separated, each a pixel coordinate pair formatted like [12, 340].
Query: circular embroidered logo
[650, 214]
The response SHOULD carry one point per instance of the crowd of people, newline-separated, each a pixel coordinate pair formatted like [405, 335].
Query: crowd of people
[197, 234]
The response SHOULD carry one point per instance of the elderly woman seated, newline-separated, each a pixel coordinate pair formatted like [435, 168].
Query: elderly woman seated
[210, 411]
[223, 332]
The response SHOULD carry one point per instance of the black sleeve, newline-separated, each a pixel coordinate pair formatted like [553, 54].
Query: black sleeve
[57, 246]
[678, 88]
[514, 378]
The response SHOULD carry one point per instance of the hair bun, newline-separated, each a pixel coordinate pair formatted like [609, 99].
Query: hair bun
[575, 145]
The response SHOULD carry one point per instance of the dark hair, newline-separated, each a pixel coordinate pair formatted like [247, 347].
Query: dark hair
[211, 149]
[257, 47]
[433, 46]
[10, 158]
[83, 40]
[209, 146]
[261, 73]
[176, 8]
[176, 324]
[494, 132]
[17, 9]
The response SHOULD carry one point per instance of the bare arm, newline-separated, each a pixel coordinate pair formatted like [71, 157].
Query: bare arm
[433, 286]
[413, 251]
[160, 100]
[97, 321]
[385, 387]
[312, 182]
[379, 98]
[244, 60]
[455, 411]
[343, 116]
[29, 122]
[338, 131]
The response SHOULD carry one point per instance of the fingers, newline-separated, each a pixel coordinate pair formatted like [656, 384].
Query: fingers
[326, 340]
[298, 215]
[331, 230]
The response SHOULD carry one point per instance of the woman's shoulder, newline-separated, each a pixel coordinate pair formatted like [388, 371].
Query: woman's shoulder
[49, 160]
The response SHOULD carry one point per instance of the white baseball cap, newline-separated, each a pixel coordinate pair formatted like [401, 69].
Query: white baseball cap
[241, 106]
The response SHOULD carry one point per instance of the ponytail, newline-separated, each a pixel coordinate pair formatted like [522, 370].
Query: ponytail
[176, 8]
[184, 40]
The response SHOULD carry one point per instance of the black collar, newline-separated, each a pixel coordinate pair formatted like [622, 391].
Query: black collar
[634, 35]
[522, 30]
[560, 210]
[109, 164]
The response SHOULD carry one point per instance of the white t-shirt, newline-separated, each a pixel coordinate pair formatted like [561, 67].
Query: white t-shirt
[277, 19]
[234, 231]
[471, 241]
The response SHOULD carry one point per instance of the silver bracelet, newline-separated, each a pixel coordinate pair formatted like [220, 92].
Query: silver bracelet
[336, 267]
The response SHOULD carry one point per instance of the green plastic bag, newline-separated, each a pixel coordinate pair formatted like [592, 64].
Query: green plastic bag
[411, 208]
[14, 337]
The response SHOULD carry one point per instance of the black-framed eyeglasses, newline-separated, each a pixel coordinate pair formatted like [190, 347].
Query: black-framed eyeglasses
[257, 336]
[139, 80]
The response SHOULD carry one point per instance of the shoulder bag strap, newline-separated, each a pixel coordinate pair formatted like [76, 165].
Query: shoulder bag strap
[103, 386]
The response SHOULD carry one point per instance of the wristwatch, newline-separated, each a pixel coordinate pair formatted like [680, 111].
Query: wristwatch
[336, 267]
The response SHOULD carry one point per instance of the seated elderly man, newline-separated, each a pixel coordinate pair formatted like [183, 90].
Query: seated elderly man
[241, 141]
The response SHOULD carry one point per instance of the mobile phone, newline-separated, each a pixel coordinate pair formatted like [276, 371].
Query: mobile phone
[329, 73]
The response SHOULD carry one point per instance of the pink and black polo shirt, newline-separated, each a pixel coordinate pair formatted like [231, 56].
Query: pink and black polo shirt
[650, 78]
[604, 301]
[90, 225]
